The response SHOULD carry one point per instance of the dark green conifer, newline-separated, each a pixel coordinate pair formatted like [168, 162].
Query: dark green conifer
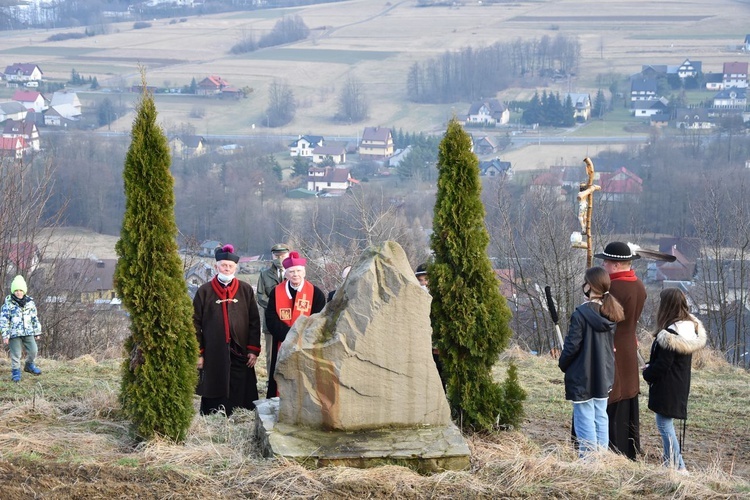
[470, 318]
[159, 373]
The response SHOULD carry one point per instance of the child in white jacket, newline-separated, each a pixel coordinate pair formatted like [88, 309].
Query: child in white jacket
[20, 326]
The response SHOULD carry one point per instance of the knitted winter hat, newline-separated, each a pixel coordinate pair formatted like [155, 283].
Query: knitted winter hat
[226, 253]
[294, 260]
[18, 283]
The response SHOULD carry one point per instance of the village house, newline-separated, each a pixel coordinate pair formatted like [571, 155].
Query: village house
[211, 85]
[25, 129]
[689, 69]
[85, 281]
[22, 74]
[485, 145]
[652, 71]
[334, 150]
[495, 168]
[331, 180]
[13, 147]
[713, 81]
[64, 108]
[735, 75]
[303, 145]
[642, 89]
[731, 98]
[650, 108]
[376, 143]
[21, 258]
[31, 100]
[207, 248]
[12, 111]
[581, 105]
[199, 273]
[659, 120]
[187, 146]
[687, 253]
[489, 113]
[620, 185]
[693, 119]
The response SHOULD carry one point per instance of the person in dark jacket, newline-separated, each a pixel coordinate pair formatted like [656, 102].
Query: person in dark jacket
[678, 335]
[227, 325]
[588, 360]
[267, 281]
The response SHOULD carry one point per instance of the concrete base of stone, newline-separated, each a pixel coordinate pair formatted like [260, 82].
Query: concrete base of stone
[427, 449]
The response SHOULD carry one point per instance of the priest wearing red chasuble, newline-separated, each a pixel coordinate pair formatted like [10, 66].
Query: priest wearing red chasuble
[292, 298]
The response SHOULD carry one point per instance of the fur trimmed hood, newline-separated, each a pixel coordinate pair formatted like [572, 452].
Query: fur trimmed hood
[690, 337]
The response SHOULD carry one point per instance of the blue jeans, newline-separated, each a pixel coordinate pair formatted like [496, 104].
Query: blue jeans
[672, 456]
[591, 423]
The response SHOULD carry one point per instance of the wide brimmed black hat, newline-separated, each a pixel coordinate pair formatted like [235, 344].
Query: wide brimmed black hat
[617, 250]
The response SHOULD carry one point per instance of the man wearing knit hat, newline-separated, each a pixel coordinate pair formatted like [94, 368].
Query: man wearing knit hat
[227, 325]
[20, 326]
[267, 281]
[622, 406]
[291, 299]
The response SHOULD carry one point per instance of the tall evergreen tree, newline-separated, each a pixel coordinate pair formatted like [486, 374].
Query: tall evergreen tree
[470, 319]
[600, 104]
[159, 372]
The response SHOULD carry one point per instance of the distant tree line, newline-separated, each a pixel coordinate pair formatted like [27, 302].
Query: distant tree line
[77, 79]
[549, 111]
[470, 74]
[288, 29]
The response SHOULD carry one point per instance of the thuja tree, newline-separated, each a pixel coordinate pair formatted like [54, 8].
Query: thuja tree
[470, 318]
[159, 374]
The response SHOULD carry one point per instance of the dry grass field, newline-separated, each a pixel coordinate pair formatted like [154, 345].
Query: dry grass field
[63, 436]
[377, 41]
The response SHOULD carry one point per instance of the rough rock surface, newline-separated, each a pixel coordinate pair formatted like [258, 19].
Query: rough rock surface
[365, 361]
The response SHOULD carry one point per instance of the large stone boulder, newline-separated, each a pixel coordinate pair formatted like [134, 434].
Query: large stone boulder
[365, 361]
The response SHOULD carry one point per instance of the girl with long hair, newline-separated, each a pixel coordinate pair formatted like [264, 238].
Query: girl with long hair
[588, 360]
[678, 335]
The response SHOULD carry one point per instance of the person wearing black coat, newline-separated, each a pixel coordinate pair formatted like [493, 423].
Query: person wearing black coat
[588, 361]
[679, 335]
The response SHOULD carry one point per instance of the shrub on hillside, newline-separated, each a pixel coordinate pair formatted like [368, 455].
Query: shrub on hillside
[59, 37]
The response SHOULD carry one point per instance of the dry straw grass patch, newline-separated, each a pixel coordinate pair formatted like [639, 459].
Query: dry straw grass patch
[62, 447]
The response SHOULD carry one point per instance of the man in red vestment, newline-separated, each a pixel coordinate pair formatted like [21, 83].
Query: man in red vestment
[292, 298]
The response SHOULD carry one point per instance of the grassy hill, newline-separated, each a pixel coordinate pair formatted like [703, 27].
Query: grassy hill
[62, 436]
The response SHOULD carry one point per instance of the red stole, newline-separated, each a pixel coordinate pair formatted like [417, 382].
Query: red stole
[226, 294]
[302, 306]
[628, 275]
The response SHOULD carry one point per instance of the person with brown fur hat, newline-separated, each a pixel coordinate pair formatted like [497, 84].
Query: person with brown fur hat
[622, 407]
[292, 298]
[227, 324]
